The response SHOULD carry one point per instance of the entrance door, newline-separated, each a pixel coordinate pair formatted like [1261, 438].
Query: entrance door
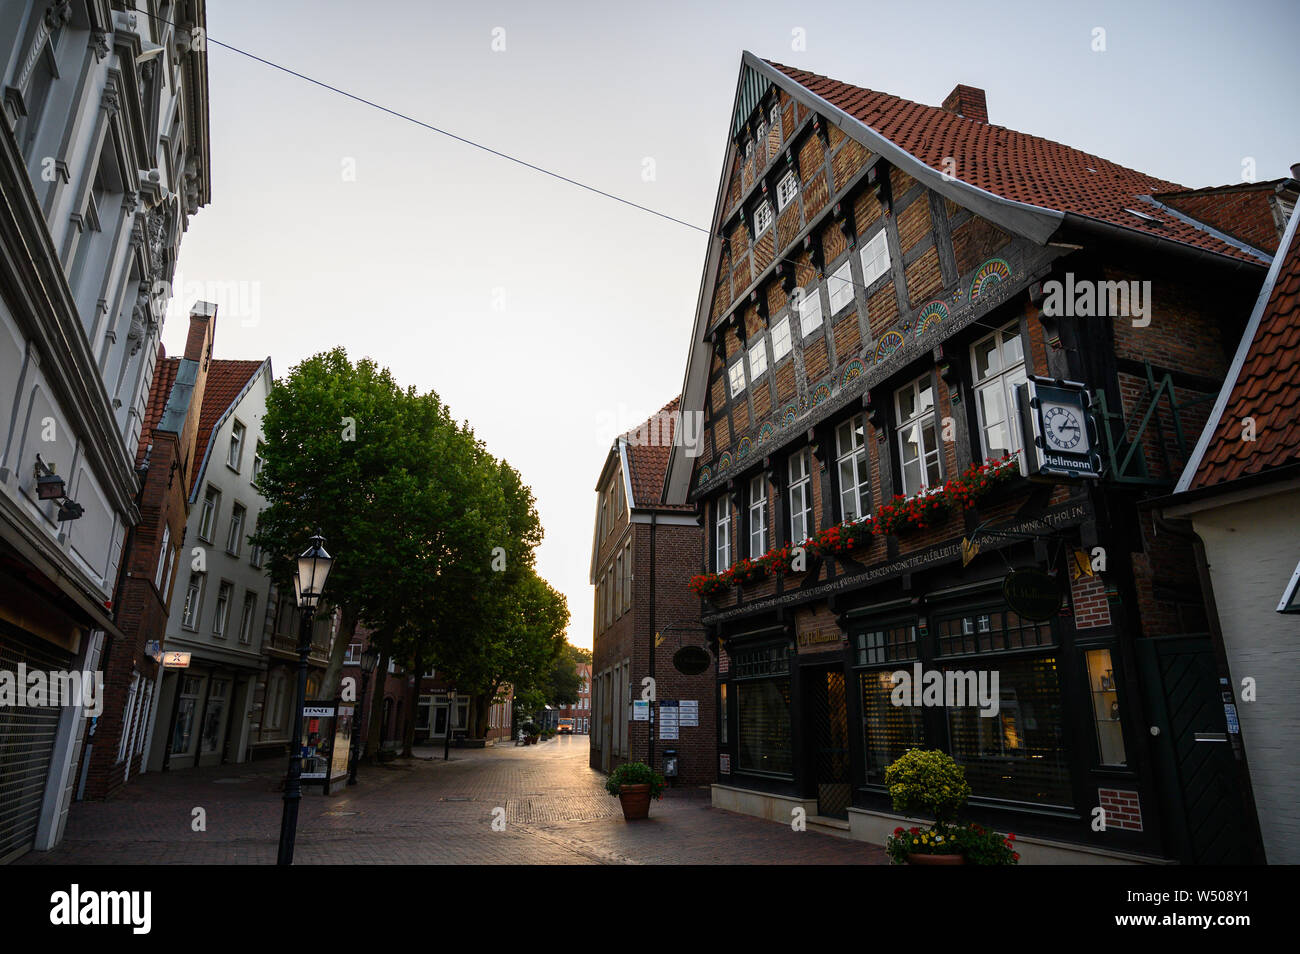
[1196, 770]
[826, 716]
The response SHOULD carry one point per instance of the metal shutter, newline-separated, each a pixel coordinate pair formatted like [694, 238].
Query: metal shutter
[26, 744]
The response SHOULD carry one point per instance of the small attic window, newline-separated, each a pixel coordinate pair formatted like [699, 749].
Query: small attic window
[1144, 217]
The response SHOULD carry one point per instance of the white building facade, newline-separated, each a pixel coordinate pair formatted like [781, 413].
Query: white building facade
[222, 606]
[103, 160]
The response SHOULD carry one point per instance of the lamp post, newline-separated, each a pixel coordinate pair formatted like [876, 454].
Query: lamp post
[369, 660]
[308, 581]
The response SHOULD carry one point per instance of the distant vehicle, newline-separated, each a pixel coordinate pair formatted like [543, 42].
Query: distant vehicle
[565, 727]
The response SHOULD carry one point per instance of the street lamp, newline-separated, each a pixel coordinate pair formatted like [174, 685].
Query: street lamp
[308, 582]
[369, 660]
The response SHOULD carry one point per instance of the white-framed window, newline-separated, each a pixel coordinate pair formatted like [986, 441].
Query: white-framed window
[840, 286]
[780, 339]
[224, 592]
[853, 468]
[736, 377]
[721, 534]
[762, 218]
[749, 148]
[918, 438]
[235, 536]
[193, 600]
[164, 552]
[618, 585]
[786, 190]
[175, 557]
[259, 458]
[997, 368]
[757, 359]
[248, 618]
[810, 310]
[627, 577]
[800, 496]
[128, 718]
[875, 258]
[255, 552]
[236, 454]
[208, 515]
[757, 517]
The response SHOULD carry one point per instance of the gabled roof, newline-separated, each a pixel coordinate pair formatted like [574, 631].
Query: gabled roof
[164, 376]
[1015, 165]
[647, 449]
[1041, 190]
[1263, 384]
[226, 385]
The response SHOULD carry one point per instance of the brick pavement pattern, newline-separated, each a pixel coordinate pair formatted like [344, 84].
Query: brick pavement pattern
[427, 811]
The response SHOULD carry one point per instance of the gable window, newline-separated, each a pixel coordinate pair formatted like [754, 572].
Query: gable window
[193, 598]
[757, 359]
[736, 377]
[780, 339]
[208, 516]
[810, 310]
[164, 552]
[721, 534]
[236, 454]
[841, 287]
[757, 517]
[853, 468]
[762, 218]
[235, 537]
[247, 618]
[800, 497]
[786, 190]
[998, 368]
[918, 439]
[224, 592]
[875, 258]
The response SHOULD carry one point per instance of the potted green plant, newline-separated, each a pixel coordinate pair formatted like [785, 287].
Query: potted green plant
[530, 733]
[635, 783]
[932, 783]
[927, 782]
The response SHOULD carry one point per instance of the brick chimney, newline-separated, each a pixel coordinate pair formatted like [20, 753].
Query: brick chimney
[967, 101]
[198, 344]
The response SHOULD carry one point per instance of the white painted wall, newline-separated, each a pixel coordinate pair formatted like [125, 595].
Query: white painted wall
[1252, 548]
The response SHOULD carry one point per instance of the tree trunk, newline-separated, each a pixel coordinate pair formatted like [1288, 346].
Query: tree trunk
[374, 736]
[343, 639]
[408, 736]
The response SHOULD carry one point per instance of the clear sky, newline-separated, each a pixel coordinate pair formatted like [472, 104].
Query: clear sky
[552, 319]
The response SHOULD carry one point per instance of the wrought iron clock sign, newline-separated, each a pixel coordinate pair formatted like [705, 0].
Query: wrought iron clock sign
[1061, 437]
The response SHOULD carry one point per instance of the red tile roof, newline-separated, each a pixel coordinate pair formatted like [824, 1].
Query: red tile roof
[226, 379]
[1015, 165]
[648, 449]
[1267, 387]
[164, 376]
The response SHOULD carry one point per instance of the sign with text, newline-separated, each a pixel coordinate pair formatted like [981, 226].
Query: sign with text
[175, 660]
[669, 719]
[1056, 418]
[689, 712]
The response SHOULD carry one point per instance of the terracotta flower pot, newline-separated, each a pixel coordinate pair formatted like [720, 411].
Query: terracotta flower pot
[936, 859]
[635, 800]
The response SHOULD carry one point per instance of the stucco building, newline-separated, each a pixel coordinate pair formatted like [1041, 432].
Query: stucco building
[103, 161]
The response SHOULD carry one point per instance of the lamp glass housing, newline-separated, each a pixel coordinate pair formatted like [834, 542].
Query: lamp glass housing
[369, 659]
[313, 569]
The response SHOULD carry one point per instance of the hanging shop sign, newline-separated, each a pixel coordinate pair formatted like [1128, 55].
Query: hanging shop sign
[692, 660]
[1057, 417]
[1032, 594]
[175, 660]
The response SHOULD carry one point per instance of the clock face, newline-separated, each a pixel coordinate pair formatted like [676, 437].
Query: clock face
[1063, 428]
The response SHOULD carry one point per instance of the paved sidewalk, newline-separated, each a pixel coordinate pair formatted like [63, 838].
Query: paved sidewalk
[426, 811]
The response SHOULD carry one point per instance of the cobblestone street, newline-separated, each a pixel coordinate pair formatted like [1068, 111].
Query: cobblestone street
[426, 811]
